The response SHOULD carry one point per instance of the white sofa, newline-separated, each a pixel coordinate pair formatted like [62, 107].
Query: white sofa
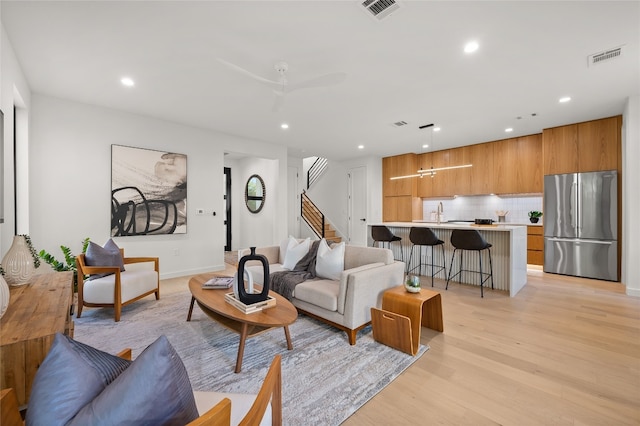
[345, 304]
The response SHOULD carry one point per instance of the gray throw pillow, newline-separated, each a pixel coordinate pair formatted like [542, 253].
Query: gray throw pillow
[109, 255]
[154, 390]
[71, 375]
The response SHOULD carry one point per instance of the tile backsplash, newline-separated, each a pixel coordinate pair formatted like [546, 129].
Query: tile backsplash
[484, 207]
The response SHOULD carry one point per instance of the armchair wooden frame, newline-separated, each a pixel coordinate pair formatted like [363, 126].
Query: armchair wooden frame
[83, 270]
[270, 391]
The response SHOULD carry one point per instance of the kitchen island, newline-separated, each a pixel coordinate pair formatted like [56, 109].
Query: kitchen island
[508, 251]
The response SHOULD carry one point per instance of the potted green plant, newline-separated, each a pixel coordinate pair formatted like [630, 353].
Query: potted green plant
[69, 258]
[534, 216]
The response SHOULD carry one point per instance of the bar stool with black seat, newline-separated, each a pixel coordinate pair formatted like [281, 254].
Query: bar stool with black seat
[426, 237]
[470, 239]
[382, 234]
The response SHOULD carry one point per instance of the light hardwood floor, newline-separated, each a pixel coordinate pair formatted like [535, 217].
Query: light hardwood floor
[564, 351]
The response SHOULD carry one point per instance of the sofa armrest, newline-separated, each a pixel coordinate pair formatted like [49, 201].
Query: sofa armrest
[364, 290]
[272, 253]
[344, 277]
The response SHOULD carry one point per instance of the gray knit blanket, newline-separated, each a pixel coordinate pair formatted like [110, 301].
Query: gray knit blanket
[284, 282]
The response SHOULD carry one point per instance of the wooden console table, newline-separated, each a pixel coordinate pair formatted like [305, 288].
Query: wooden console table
[398, 323]
[37, 311]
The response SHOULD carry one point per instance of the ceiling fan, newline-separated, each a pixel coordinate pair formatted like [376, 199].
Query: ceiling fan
[282, 86]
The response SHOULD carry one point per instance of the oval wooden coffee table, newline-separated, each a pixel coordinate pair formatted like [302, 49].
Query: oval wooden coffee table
[213, 304]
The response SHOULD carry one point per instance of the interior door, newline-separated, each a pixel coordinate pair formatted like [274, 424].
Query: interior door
[227, 198]
[358, 206]
[293, 202]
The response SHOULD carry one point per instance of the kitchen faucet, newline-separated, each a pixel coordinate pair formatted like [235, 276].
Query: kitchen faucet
[440, 211]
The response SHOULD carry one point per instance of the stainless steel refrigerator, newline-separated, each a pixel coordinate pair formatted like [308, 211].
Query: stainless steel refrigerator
[581, 224]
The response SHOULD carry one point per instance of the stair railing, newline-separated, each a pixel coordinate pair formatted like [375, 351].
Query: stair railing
[316, 170]
[312, 215]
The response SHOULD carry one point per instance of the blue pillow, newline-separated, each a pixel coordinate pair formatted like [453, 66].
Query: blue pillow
[109, 255]
[154, 390]
[71, 375]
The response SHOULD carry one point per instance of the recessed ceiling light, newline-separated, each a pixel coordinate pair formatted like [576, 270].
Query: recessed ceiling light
[508, 129]
[425, 146]
[436, 129]
[360, 146]
[284, 126]
[564, 99]
[127, 81]
[471, 47]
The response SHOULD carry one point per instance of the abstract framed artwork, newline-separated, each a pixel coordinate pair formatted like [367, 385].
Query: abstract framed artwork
[148, 192]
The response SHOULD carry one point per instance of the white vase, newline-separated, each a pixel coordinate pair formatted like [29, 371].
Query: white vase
[5, 294]
[18, 262]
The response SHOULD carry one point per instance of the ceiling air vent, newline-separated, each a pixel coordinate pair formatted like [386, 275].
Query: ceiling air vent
[607, 55]
[380, 9]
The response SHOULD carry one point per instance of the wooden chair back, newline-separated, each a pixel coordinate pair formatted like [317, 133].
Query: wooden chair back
[9, 411]
[271, 391]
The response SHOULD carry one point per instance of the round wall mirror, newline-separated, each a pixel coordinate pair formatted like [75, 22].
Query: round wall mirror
[255, 194]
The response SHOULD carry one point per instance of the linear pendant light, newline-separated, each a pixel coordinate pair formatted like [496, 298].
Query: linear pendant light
[431, 171]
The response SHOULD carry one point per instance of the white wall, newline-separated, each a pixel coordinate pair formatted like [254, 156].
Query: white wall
[330, 193]
[631, 196]
[255, 229]
[14, 90]
[70, 174]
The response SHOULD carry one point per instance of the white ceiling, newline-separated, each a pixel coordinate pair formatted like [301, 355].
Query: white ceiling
[409, 66]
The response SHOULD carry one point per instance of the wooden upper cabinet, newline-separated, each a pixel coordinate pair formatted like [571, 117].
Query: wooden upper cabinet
[441, 182]
[505, 166]
[518, 165]
[584, 147]
[560, 150]
[425, 184]
[399, 165]
[598, 143]
[529, 164]
[459, 179]
[482, 178]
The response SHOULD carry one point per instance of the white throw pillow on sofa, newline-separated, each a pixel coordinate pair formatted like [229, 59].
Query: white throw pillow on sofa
[330, 260]
[295, 251]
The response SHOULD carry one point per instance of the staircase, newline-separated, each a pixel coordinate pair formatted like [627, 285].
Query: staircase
[316, 170]
[316, 220]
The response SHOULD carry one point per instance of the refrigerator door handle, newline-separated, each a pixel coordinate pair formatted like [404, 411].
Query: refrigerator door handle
[572, 205]
[577, 240]
[579, 196]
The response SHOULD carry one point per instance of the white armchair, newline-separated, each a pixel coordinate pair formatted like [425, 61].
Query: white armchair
[119, 288]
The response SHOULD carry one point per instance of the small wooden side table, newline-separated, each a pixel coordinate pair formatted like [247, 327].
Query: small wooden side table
[398, 323]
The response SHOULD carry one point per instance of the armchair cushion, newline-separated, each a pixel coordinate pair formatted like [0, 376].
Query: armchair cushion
[134, 283]
[109, 255]
[71, 375]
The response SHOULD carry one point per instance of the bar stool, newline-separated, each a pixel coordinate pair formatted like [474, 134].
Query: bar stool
[382, 234]
[426, 237]
[470, 239]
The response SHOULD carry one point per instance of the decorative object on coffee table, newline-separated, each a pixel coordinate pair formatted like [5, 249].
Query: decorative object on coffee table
[20, 262]
[239, 289]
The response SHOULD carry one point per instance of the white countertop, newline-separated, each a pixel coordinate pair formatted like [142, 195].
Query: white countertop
[455, 225]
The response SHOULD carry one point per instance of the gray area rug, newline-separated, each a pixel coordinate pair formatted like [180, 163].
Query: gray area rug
[324, 379]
